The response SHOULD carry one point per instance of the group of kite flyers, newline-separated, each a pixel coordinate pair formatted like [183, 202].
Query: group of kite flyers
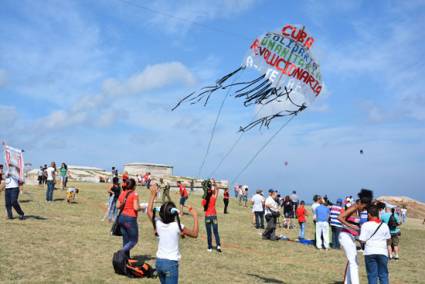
[124, 205]
[378, 234]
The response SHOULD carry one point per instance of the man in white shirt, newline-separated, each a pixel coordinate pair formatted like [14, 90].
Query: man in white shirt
[272, 212]
[11, 197]
[376, 235]
[51, 175]
[258, 208]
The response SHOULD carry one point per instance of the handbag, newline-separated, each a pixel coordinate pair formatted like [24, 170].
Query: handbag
[116, 229]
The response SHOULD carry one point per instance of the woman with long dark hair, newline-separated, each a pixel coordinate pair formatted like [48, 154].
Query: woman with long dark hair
[168, 228]
[350, 220]
[211, 216]
[129, 202]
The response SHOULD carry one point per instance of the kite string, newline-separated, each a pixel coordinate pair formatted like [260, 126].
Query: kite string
[233, 146]
[261, 149]
[214, 128]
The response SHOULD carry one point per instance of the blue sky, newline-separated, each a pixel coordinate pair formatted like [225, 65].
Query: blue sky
[92, 83]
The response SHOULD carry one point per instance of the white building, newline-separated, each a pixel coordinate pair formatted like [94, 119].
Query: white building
[156, 170]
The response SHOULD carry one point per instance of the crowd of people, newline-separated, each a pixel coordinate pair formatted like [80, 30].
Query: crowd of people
[354, 225]
[364, 224]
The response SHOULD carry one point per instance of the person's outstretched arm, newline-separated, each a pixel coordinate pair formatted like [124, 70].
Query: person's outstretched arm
[193, 233]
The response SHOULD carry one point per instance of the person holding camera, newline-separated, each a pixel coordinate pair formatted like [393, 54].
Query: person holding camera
[272, 213]
[350, 220]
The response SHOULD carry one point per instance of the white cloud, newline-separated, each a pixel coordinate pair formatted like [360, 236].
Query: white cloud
[61, 119]
[152, 77]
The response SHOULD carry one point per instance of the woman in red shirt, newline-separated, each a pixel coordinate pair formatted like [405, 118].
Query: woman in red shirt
[211, 216]
[226, 199]
[301, 215]
[128, 201]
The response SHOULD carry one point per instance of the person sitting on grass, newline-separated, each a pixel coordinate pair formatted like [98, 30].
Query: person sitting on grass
[211, 217]
[169, 229]
[375, 235]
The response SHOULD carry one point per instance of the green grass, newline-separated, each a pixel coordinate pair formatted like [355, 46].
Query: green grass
[68, 243]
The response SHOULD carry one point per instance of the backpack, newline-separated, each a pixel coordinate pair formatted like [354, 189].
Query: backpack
[392, 223]
[119, 262]
[130, 267]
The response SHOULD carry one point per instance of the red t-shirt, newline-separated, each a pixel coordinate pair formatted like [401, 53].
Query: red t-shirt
[226, 195]
[211, 207]
[183, 191]
[301, 214]
[129, 204]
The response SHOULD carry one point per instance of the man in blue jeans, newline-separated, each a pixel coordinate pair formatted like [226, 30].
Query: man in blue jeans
[375, 234]
[11, 197]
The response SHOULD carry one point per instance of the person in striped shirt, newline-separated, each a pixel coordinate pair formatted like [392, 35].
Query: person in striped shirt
[335, 223]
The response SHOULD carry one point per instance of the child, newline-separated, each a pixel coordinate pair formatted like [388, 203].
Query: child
[375, 235]
[71, 193]
[301, 215]
[169, 231]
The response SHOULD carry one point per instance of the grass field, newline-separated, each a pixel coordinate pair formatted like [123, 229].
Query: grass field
[68, 243]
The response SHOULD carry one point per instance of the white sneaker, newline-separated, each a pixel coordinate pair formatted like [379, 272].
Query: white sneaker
[218, 248]
[209, 250]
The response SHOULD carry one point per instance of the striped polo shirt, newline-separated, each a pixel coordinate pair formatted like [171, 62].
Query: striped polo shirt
[335, 212]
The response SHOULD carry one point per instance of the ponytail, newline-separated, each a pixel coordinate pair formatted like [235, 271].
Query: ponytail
[207, 200]
[168, 214]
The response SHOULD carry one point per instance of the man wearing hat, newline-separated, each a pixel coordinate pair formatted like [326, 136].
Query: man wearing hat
[335, 223]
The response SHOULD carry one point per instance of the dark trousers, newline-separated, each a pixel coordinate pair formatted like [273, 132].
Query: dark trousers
[211, 222]
[226, 203]
[269, 232]
[376, 268]
[335, 237]
[259, 219]
[130, 232]
[11, 200]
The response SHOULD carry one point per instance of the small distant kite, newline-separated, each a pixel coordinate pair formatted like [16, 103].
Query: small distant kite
[361, 151]
[289, 79]
[286, 163]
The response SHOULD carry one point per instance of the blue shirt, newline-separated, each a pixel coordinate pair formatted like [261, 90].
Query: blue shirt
[385, 217]
[322, 213]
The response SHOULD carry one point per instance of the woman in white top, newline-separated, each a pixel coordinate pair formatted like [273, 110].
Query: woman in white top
[169, 229]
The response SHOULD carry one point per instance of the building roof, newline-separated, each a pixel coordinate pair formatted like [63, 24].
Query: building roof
[147, 164]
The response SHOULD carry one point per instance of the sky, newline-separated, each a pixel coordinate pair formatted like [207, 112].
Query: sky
[93, 83]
